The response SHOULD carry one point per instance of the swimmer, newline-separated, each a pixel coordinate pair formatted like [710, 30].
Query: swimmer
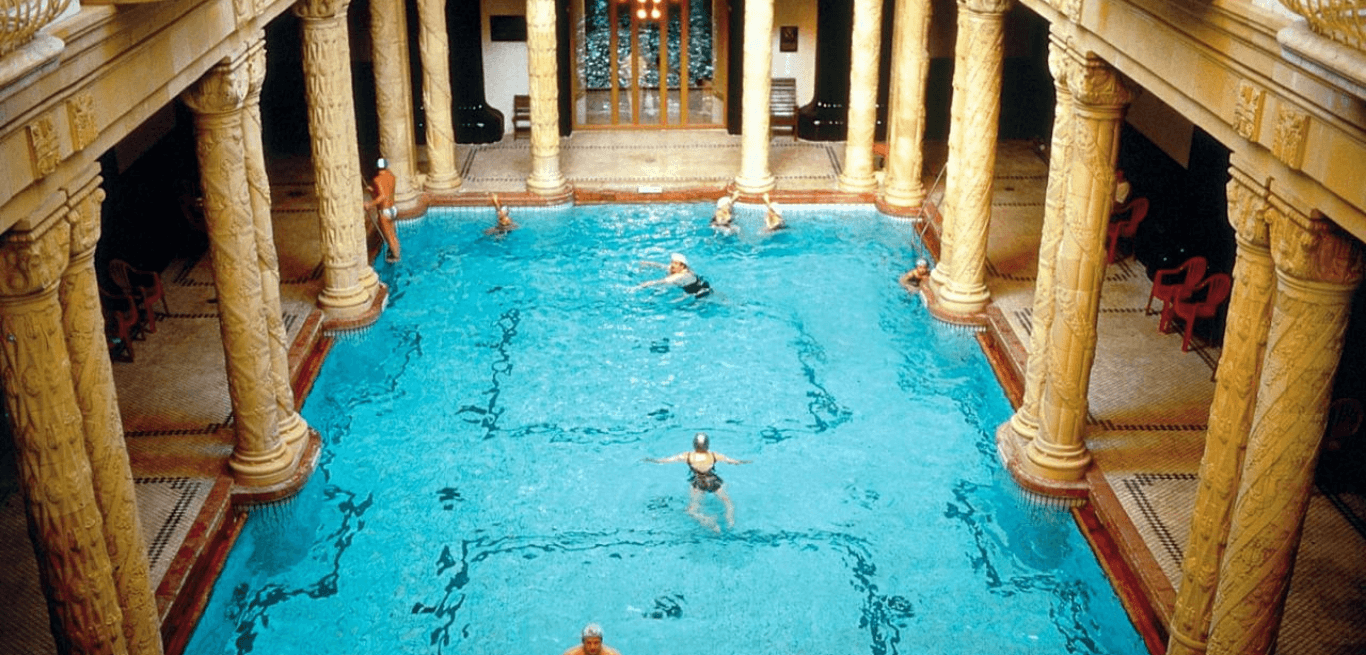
[702, 474]
[382, 201]
[680, 275]
[721, 220]
[504, 224]
[773, 220]
[591, 643]
[917, 276]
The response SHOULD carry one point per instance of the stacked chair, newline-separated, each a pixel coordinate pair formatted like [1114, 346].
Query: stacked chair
[1188, 294]
[129, 310]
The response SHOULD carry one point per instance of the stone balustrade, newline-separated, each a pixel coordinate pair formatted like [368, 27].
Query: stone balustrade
[21, 19]
[1343, 21]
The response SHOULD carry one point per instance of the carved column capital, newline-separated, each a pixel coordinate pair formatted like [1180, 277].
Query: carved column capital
[32, 261]
[222, 90]
[1095, 83]
[320, 9]
[256, 68]
[1059, 60]
[985, 6]
[1313, 248]
[84, 216]
[1248, 204]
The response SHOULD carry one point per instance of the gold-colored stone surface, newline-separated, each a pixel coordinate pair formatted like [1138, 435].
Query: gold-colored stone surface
[546, 178]
[863, 73]
[394, 96]
[906, 122]
[436, 94]
[755, 176]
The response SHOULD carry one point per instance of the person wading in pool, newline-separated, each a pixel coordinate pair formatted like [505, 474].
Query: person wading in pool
[721, 221]
[592, 643]
[702, 470]
[504, 223]
[680, 275]
[382, 201]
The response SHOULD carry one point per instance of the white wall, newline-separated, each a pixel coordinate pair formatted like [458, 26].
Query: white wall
[802, 63]
[505, 63]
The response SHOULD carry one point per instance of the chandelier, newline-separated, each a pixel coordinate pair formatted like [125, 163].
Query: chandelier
[649, 9]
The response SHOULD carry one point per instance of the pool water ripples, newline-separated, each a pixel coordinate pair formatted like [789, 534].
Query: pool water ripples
[482, 489]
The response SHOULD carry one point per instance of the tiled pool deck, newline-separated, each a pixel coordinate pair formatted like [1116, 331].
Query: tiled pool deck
[1149, 400]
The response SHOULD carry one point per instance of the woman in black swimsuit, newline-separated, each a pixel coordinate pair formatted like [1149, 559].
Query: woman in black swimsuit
[702, 474]
[680, 275]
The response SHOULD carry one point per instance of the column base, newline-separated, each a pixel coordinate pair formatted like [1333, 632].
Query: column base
[1024, 426]
[443, 182]
[938, 310]
[963, 300]
[1055, 464]
[866, 184]
[263, 469]
[904, 197]
[304, 466]
[356, 318]
[345, 302]
[553, 191]
[293, 429]
[1012, 450]
[755, 186]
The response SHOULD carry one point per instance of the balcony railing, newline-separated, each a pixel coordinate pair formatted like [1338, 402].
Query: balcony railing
[21, 19]
[1343, 21]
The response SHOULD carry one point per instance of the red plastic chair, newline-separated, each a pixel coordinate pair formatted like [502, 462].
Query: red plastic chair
[143, 286]
[120, 324]
[1214, 291]
[1127, 228]
[1172, 283]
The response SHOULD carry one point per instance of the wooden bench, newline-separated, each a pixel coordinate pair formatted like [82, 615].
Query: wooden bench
[521, 117]
[782, 105]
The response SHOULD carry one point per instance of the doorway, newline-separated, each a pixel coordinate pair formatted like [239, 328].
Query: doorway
[647, 63]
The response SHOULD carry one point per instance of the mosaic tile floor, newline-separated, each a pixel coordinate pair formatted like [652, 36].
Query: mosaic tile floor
[1146, 438]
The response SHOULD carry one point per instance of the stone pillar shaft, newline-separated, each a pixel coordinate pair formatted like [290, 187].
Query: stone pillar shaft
[1230, 417]
[902, 186]
[960, 278]
[291, 427]
[755, 177]
[54, 471]
[542, 68]
[865, 55]
[259, 456]
[349, 284]
[394, 96]
[1317, 270]
[1025, 421]
[436, 94]
[1059, 451]
[93, 380]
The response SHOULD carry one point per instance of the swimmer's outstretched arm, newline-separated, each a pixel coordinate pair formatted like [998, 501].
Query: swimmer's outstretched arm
[723, 458]
[644, 263]
[681, 457]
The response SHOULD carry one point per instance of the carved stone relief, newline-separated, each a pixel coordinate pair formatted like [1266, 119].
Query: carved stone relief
[80, 114]
[1292, 126]
[1247, 114]
[43, 144]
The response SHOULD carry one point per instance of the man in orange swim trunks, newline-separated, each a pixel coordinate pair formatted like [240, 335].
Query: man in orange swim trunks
[382, 201]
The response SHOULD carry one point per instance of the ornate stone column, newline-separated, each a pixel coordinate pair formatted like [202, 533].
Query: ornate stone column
[1024, 424]
[1230, 416]
[349, 283]
[259, 457]
[394, 96]
[902, 186]
[1318, 266]
[436, 94]
[960, 278]
[755, 177]
[292, 428]
[1059, 453]
[49, 441]
[542, 66]
[93, 383]
[865, 55]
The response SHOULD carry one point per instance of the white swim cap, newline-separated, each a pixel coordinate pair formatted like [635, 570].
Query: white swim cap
[382, 163]
[921, 262]
[592, 630]
[723, 201]
[678, 257]
[700, 441]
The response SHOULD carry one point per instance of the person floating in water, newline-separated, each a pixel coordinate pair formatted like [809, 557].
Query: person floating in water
[591, 639]
[773, 220]
[702, 469]
[382, 201]
[680, 275]
[504, 224]
[722, 220]
[916, 277]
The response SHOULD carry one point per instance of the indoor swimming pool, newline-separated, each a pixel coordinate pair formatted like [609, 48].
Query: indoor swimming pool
[483, 485]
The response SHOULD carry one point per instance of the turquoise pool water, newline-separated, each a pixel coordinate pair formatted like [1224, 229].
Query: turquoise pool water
[482, 489]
